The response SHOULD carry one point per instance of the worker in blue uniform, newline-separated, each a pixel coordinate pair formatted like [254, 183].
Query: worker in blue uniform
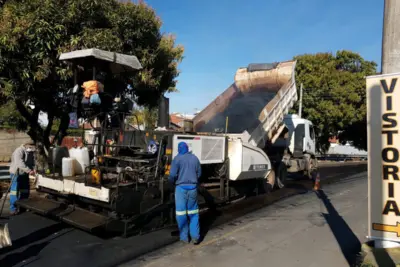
[184, 174]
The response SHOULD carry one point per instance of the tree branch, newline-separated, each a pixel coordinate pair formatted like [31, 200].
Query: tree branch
[35, 131]
[47, 131]
[63, 128]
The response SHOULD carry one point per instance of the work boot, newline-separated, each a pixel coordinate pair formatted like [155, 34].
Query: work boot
[196, 242]
[13, 213]
[185, 241]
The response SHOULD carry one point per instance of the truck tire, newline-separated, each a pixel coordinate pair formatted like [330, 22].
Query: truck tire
[281, 175]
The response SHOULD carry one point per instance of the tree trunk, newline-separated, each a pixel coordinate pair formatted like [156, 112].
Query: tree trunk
[47, 131]
[35, 131]
[63, 128]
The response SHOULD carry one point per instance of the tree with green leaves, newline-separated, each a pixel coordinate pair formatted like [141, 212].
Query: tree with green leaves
[334, 96]
[33, 33]
[145, 117]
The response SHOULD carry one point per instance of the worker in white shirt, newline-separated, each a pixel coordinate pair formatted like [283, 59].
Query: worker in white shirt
[22, 165]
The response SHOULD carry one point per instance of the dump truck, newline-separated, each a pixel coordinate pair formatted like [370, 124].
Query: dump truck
[245, 140]
[253, 112]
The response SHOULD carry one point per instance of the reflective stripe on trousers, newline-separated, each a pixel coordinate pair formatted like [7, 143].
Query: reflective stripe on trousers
[20, 189]
[187, 213]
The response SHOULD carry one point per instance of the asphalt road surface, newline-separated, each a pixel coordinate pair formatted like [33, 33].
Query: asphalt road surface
[321, 228]
[38, 241]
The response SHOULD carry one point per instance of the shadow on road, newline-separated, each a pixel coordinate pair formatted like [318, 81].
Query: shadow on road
[383, 258]
[26, 256]
[33, 237]
[32, 251]
[347, 240]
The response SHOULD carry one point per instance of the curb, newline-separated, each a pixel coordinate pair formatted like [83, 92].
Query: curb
[374, 257]
[335, 163]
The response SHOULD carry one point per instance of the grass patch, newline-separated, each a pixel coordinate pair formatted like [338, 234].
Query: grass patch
[367, 264]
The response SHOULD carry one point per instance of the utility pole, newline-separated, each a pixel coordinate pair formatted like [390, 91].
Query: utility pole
[391, 37]
[390, 62]
[301, 100]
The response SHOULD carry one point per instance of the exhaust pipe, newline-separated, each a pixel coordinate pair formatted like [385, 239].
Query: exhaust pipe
[163, 112]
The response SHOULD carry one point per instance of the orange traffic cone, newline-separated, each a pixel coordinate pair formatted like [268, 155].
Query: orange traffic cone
[317, 184]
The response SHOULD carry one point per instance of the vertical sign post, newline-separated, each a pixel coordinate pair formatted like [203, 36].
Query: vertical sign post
[301, 100]
[383, 117]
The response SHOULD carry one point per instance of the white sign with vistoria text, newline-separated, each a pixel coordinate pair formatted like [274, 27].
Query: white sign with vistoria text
[383, 117]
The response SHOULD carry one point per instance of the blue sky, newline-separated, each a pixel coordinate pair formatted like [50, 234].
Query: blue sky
[220, 36]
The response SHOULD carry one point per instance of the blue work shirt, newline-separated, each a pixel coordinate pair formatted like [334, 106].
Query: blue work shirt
[185, 170]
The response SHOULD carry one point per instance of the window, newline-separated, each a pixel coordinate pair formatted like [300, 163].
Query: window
[311, 129]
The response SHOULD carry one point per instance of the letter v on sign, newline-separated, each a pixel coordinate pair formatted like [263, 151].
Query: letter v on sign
[392, 85]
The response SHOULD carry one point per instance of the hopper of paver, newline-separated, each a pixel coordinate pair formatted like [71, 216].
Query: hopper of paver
[254, 105]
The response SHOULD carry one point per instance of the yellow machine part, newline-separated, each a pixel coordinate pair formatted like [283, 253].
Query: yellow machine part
[96, 176]
[167, 169]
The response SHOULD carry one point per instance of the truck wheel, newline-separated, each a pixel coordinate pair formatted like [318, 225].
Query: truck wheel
[281, 175]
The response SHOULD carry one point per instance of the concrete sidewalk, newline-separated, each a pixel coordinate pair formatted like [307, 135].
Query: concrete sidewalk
[306, 230]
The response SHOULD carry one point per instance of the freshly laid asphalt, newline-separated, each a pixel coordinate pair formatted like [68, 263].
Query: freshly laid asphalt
[38, 241]
[318, 228]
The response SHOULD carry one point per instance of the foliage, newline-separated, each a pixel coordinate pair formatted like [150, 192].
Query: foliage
[33, 33]
[367, 264]
[146, 117]
[10, 117]
[334, 95]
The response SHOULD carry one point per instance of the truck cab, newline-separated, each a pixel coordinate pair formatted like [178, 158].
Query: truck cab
[301, 135]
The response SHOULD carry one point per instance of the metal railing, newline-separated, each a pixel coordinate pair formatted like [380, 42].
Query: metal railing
[4, 173]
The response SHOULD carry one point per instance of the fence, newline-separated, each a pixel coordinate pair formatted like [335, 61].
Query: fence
[11, 139]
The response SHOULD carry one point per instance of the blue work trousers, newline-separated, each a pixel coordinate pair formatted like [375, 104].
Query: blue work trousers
[19, 189]
[187, 213]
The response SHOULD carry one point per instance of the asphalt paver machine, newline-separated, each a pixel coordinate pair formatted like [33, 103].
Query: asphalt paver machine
[116, 179]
